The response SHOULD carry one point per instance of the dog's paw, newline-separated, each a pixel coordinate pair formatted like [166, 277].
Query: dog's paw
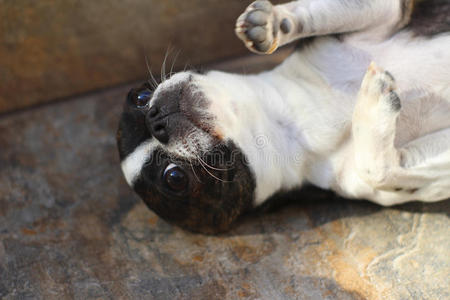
[258, 27]
[379, 87]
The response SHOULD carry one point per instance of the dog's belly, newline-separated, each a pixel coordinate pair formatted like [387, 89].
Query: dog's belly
[423, 112]
[420, 66]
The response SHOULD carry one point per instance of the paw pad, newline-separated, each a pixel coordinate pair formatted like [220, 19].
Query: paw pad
[258, 27]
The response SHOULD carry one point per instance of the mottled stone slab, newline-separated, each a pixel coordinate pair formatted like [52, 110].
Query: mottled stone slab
[70, 228]
[52, 49]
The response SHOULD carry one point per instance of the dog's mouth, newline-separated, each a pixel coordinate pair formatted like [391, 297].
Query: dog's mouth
[178, 163]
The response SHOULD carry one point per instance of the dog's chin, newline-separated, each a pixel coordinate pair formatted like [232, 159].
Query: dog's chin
[209, 199]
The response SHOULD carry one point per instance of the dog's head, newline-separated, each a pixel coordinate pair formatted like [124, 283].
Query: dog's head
[176, 154]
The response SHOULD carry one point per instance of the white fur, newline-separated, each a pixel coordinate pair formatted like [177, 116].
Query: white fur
[376, 18]
[133, 163]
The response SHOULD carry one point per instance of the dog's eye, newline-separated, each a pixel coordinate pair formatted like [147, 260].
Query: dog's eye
[175, 178]
[143, 97]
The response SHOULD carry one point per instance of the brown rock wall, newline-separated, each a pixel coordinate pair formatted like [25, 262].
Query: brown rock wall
[51, 49]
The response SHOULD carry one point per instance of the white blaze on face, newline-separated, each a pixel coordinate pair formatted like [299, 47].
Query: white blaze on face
[133, 163]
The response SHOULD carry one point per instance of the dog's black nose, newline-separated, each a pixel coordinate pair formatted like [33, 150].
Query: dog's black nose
[157, 124]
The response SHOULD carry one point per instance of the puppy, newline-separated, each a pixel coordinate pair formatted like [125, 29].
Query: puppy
[362, 107]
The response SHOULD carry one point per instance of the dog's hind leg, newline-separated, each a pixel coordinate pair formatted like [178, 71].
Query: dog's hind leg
[419, 170]
[264, 27]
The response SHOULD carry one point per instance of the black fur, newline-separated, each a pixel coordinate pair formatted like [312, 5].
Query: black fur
[430, 17]
[209, 205]
[132, 123]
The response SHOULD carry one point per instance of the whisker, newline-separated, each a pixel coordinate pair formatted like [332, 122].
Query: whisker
[212, 175]
[173, 63]
[187, 66]
[149, 72]
[192, 167]
[153, 83]
[163, 66]
[211, 167]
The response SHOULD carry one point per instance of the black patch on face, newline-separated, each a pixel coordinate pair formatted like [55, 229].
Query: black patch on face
[221, 188]
[430, 17]
[132, 130]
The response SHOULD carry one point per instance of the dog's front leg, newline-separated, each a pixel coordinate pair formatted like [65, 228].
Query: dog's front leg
[419, 170]
[264, 27]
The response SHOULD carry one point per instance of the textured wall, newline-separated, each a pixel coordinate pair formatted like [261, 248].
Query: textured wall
[51, 49]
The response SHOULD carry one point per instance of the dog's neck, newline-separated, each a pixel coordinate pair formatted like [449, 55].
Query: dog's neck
[276, 119]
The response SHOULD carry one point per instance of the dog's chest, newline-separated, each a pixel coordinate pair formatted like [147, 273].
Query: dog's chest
[341, 64]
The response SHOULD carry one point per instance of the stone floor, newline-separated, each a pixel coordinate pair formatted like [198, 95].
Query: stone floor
[71, 228]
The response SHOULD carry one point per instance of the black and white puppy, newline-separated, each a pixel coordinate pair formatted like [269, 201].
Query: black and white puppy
[202, 149]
